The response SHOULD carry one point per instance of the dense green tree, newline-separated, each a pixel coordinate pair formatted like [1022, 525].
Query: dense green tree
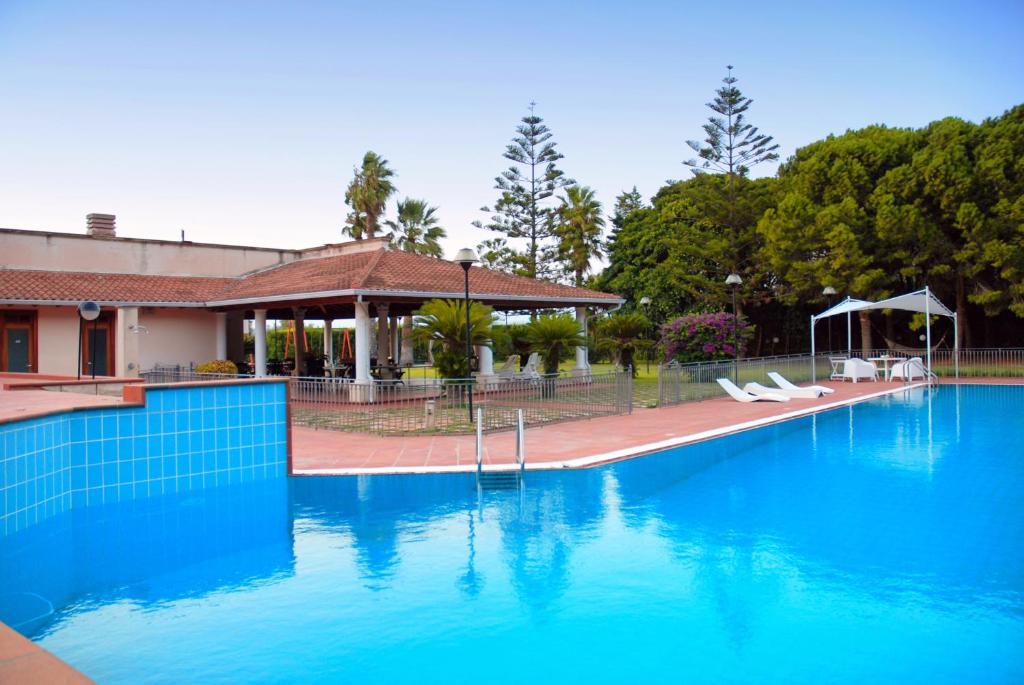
[579, 231]
[367, 195]
[822, 231]
[524, 210]
[921, 208]
[416, 229]
[994, 237]
[678, 252]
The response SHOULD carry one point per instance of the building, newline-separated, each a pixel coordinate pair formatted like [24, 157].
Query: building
[180, 303]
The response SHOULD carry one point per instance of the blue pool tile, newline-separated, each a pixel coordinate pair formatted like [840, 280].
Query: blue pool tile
[77, 428]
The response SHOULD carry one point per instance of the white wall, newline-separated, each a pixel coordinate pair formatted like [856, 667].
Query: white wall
[57, 328]
[176, 336]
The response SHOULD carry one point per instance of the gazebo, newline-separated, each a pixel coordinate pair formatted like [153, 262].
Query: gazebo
[922, 301]
[385, 283]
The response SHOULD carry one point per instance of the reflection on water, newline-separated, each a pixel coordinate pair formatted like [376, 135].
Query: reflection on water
[888, 535]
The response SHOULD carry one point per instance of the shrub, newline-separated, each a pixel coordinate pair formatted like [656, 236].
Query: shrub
[218, 366]
[704, 337]
[553, 336]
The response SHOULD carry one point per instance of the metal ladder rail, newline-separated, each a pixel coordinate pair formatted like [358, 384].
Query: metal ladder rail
[520, 441]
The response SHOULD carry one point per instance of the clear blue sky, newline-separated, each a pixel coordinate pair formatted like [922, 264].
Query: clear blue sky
[241, 122]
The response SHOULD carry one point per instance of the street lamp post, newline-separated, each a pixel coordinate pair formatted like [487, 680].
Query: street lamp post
[467, 258]
[734, 280]
[829, 292]
[644, 302]
[87, 311]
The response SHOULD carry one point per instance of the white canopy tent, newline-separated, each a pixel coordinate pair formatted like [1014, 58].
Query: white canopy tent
[922, 301]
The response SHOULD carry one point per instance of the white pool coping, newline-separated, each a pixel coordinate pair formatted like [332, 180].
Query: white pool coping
[614, 455]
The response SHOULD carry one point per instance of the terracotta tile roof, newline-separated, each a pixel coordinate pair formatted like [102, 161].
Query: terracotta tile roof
[340, 272]
[377, 270]
[395, 270]
[75, 286]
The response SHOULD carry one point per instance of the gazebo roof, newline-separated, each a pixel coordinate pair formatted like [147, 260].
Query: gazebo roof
[381, 275]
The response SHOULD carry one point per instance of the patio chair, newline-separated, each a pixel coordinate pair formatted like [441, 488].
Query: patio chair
[784, 384]
[908, 370]
[744, 396]
[792, 393]
[857, 369]
[510, 368]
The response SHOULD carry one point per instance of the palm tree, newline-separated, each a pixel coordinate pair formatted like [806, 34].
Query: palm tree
[580, 222]
[416, 229]
[622, 335]
[444, 322]
[367, 195]
[553, 336]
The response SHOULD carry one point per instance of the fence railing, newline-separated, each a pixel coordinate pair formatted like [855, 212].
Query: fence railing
[678, 383]
[429, 405]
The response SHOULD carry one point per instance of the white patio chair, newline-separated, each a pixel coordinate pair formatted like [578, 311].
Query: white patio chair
[837, 367]
[908, 370]
[793, 393]
[857, 369]
[744, 396]
[784, 384]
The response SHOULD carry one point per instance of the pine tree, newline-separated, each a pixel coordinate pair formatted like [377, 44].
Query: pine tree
[523, 210]
[732, 145]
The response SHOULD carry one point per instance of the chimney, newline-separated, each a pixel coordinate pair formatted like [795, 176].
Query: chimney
[100, 225]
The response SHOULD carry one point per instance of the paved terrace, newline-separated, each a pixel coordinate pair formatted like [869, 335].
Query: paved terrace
[575, 444]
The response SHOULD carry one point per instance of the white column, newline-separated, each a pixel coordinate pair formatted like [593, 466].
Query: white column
[407, 352]
[486, 356]
[362, 342]
[222, 335]
[126, 343]
[259, 335]
[329, 341]
[582, 363]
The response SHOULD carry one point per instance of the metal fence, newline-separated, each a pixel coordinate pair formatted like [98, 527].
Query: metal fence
[678, 383]
[428, 405]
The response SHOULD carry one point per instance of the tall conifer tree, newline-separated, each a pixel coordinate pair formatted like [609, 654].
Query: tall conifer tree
[524, 210]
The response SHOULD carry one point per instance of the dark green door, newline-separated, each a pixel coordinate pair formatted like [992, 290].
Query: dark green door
[19, 359]
[97, 351]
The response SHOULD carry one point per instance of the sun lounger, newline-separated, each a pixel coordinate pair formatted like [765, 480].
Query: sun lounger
[784, 384]
[510, 369]
[743, 396]
[801, 393]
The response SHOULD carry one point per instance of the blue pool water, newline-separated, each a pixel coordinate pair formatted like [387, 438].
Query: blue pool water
[880, 543]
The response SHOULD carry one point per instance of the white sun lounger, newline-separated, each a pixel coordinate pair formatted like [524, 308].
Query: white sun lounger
[743, 396]
[784, 384]
[802, 393]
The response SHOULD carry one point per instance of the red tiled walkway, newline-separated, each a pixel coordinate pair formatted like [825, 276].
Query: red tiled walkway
[585, 442]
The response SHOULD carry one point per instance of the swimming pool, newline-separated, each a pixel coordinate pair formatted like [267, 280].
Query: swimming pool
[880, 542]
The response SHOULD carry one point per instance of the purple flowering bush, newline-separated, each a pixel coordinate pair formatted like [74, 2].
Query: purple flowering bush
[704, 337]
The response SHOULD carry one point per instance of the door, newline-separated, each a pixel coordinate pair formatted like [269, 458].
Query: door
[18, 346]
[18, 342]
[97, 348]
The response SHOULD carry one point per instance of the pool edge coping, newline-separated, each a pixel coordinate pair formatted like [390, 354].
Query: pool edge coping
[604, 458]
